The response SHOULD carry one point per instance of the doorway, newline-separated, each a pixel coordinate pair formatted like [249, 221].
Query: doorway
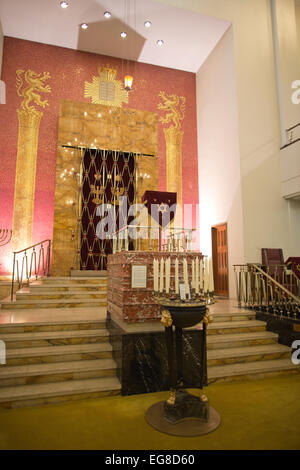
[220, 258]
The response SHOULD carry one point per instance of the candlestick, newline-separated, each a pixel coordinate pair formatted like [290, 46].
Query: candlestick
[201, 275]
[161, 284]
[126, 240]
[155, 275]
[168, 272]
[206, 275]
[211, 276]
[176, 276]
[197, 276]
[114, 245]
[185, 276]
[193, 274]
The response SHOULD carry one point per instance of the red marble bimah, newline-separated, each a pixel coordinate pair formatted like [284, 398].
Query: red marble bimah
[137, 304]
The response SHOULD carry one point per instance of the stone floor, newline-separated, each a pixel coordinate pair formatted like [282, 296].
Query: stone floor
[222, 306]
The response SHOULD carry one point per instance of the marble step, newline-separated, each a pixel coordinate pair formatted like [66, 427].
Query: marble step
[51, 354]
[53, 338]
[25, 294]
[240, 340]
[250, 370]
[227, 317]
[38, 394]
[51, 326]
[62, 287]
[221, 328]
[56, 372]
[247, 354]
[75, 280]
[52, 303]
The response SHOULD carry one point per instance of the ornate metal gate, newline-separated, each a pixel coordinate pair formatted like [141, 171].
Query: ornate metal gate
[105, 176]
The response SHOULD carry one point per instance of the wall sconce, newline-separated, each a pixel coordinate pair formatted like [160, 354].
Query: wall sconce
[128, 79]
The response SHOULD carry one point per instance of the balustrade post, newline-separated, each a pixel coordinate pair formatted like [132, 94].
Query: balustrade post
[13, 279]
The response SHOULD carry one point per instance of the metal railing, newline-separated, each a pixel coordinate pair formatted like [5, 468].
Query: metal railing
[289, 135]
[153, 238]
[256, 288]
[24, 271]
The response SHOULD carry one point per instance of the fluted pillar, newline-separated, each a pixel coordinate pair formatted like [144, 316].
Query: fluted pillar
[29, 123]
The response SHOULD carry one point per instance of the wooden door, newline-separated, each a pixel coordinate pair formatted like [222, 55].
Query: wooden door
[220, 259]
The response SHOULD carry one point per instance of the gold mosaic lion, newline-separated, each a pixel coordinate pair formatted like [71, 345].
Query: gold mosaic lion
[35, 82]
[170, 104]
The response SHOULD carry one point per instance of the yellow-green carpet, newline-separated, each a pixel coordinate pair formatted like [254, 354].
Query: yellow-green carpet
[261, 414]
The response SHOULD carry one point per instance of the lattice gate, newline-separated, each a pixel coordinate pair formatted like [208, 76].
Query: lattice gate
[105, 176]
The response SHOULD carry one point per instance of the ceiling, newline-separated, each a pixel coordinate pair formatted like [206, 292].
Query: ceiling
[188, 37]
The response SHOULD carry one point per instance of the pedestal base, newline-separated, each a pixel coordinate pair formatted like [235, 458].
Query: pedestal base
[188, 427]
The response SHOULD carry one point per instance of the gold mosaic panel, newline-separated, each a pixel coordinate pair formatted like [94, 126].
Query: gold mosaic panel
[95, 126]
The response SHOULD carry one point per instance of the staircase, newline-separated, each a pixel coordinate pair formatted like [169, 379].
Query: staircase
[57, 360]
[240, 348]
[59, 292]
[62, 351]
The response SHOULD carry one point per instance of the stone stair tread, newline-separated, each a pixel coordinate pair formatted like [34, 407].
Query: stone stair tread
[59, 292]
[73, 278]
[245, 351]
[31, 336]
[250, 368]
[58, 350]
[240, 336]
[236, 324]
[56, 389]
[57, 367]
[52, 285]
[48, 301]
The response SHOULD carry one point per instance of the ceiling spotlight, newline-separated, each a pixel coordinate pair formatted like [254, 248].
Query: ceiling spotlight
[147, 24]
[64, 4]
[159, 42]
[123, 34]
[107, 14]
[84, 26]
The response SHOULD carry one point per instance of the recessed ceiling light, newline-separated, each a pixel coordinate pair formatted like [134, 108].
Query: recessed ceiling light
[160, 42]
[84, 26]
[147, 24]
[107, 14]
[64, 4]
[123, 34]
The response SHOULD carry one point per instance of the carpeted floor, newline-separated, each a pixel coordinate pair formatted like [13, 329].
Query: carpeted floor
[261, 414]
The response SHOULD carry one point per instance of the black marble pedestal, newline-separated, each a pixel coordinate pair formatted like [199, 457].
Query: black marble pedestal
[140, 352]
[183, 414]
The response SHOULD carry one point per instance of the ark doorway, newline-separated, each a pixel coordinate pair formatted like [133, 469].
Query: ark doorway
[106, 175]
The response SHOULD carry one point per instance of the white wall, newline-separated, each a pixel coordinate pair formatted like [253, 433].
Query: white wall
[218, 152]
[266, 215]
[287, 60]
[297, 10]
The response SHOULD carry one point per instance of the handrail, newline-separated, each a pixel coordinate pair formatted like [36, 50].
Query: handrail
[178, 238]
[291, 139]
[291, 128]
[290, 143]
[290, 294]
[258, 289]
[32, 246]
[24, 271]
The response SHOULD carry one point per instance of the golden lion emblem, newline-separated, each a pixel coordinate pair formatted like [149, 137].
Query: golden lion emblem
[170, 104]
[35, 82]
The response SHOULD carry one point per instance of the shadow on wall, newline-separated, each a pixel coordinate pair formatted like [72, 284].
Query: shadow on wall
[103, 37]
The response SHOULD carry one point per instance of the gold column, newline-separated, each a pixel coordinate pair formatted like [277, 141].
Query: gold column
[174, 161]
[29, 122]
[29, 84]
